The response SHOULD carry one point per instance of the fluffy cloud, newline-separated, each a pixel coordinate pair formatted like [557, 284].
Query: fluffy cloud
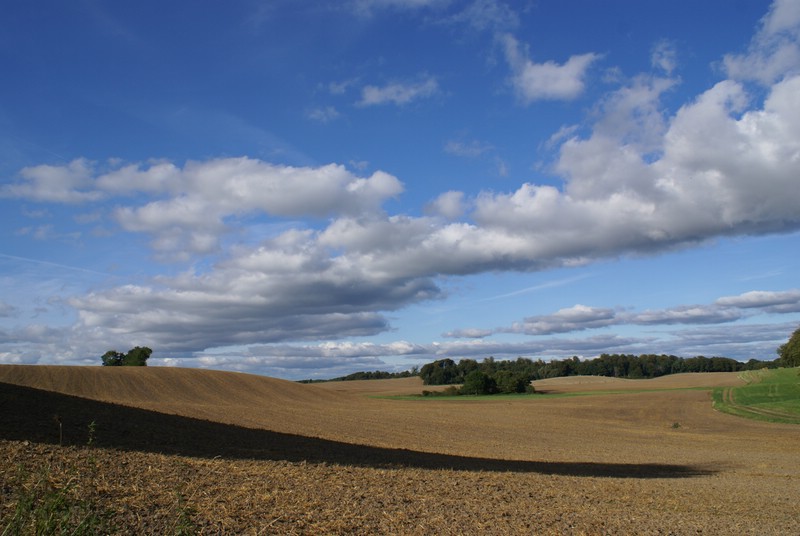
[687, 314]
[56, 184]
[468, 333]
[284, 290]
[342, 349]
[664, 57]
[486, 15]
[752, 341]
[576, 318]
[449, 205]
[195, 201]
[398, 93]
[545, 81]
[772, 302]
[553, 347]
[469, 149]
[774, 52]
[581, 317]
[622, 194]
[367, 8]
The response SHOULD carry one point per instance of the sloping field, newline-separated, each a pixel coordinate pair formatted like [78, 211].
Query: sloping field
[239, 454]
[571, 384]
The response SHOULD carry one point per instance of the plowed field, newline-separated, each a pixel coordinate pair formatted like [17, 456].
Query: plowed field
[223, 453]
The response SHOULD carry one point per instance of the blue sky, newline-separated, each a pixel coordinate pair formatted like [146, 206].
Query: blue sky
[307, 189]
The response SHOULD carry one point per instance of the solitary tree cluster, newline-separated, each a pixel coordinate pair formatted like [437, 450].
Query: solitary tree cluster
[486, 378]
[136, 357]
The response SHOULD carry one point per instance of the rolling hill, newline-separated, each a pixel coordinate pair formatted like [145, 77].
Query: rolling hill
[259, 455]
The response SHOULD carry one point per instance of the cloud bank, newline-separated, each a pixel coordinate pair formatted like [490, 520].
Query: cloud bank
[622, 194]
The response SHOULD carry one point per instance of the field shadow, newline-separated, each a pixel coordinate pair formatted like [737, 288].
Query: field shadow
[47, 417]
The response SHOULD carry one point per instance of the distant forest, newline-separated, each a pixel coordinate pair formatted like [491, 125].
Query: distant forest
[447, 371]
[377, 375]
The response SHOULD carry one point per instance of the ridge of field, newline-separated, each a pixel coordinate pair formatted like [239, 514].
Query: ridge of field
[168, 387]
[219, 396]
[270, 456]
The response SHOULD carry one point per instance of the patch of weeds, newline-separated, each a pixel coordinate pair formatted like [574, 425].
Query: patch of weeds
[184, 513]
[676, 425]
[43, 507]
[184, 524]
[53, 500]
[92, 433]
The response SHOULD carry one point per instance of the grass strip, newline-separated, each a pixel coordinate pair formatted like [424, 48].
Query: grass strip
[771, 395]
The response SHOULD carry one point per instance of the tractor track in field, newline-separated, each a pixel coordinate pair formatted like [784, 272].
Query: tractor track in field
[729, 399]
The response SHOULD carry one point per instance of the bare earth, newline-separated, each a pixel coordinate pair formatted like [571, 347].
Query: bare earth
[254, 455]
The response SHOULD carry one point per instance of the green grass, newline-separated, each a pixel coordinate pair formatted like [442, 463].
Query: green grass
[770, 395]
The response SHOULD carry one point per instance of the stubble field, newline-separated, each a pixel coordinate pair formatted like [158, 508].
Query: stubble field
[178, 451]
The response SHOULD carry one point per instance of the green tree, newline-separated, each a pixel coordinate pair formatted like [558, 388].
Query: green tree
[136, 357]
[478, 383]
[513, 382]
[790, 351]
[465, 366]
[440, 372]
[112, 358]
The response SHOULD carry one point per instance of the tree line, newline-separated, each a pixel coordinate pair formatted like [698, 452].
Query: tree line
[789, 353]
[524, 370]
[368, 375]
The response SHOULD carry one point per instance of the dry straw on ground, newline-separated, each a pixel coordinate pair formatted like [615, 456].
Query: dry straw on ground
[215, 452]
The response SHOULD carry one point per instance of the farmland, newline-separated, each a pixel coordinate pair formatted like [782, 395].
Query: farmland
[770, 395]
[159, 451]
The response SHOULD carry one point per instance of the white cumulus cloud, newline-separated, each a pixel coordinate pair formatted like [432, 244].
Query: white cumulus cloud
[548, 80]
[774, 51]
